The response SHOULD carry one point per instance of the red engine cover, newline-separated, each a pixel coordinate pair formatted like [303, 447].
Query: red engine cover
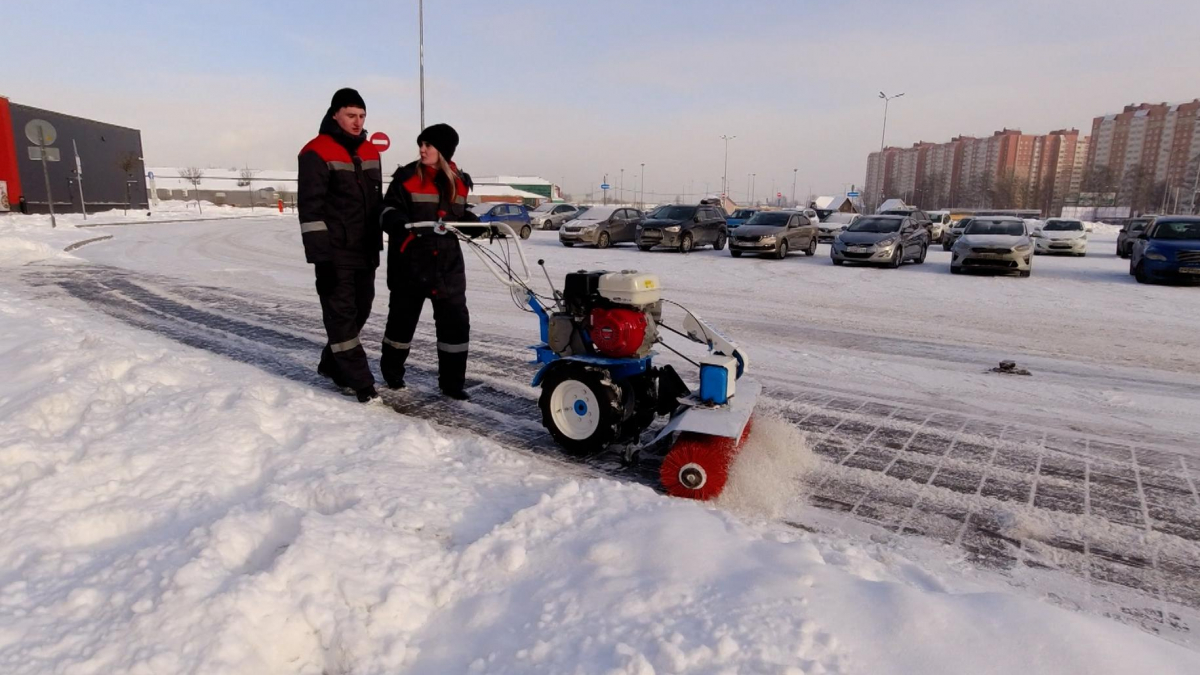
[618, 333]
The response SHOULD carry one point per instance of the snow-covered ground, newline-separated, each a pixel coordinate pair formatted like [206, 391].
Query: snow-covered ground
[171, 510]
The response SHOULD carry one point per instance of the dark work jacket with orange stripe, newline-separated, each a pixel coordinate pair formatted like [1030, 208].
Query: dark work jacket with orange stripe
[340, 187]
[420, 260]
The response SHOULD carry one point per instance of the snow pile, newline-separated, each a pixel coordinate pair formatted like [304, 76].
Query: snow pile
[26, 239]
[764, 477]
[167, 511]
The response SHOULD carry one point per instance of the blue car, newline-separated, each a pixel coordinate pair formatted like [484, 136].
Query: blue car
[739, 216]
[1168, 250]
[516, 215]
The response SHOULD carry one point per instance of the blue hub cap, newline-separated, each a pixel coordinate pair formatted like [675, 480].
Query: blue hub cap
[581, 408]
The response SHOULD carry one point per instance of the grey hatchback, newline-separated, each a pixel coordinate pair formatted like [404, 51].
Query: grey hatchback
[601, 226]
[881, 240]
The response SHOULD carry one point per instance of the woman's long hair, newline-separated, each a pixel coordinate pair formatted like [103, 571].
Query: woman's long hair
[448, 191]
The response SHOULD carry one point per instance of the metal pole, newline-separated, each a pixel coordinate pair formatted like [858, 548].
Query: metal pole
[46, 174]
[621, 188]
[747, 189]
[725, 171]
[753, 176]
[882, 140]
[642, 188]
[421, 38]
[79, 178]
[1196, 185]
[794, 186]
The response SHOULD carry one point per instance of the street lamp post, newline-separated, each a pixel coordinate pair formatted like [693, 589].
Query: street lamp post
[725, 172]
[794, 186]
[753, 176]
[642, 187]
[421, 39]
[621, 188]
[883, 138]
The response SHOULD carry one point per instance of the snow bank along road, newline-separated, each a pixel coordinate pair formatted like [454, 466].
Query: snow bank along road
[1079, 483]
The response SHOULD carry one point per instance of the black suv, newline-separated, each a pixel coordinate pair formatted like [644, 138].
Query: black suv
[918, 215]
[684, 227]
[1130, 232]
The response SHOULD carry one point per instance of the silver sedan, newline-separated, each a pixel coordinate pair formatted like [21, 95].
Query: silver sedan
[996, 244]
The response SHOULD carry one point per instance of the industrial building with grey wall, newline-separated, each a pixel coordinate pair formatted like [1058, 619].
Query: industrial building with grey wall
[103, 149]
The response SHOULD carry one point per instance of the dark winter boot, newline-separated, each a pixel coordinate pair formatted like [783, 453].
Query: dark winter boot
[328, 368]
[457, 395]
[367, 394]
[391, 365]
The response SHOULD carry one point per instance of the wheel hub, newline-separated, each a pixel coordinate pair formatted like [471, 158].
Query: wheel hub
[692, 476]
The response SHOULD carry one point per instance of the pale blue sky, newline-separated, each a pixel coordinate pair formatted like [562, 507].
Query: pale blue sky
[574, 90]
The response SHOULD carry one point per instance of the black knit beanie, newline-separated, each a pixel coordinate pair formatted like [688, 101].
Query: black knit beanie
[346, 98]
[441, 136]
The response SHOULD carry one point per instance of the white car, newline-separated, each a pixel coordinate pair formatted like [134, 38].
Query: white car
[551, 215]
[994, 243]
[1061, 235]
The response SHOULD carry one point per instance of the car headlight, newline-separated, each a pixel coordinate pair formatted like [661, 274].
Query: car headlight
[1152, 255]
[1023, 248]
[671, 228]
[887, 243]
[769, 239]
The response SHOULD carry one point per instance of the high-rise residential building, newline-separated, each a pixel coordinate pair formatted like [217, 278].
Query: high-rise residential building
[1146, 149]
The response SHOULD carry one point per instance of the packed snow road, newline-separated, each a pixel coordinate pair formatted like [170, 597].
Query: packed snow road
[1078, 483]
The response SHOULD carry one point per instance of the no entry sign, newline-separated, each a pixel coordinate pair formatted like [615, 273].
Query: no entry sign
[380, 140]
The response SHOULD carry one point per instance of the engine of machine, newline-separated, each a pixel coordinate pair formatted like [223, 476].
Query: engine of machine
[619, 311]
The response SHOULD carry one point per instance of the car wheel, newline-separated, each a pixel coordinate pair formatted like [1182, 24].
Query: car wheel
[603, 241]
[921, 258]
[526, 231]
[568, 244]
[645, 247]
[945, 245]
[839, 262]
[720, 243]
[897, 259]
[955, 270]
[736, 254]
[812, 247]
[782, 251]
[1024, 274]
[686, 243]
[1140, 274]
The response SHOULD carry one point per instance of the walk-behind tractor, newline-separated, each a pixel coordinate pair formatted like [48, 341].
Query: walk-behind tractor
[599, 385]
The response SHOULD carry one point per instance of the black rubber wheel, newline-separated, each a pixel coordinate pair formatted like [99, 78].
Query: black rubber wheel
[568, 244]
[921, 259]
[736, 254]
[686, 243]
[526, 231]
[781, 251]
[603, 241]
[897, 259]
[955, 270]
[812, 247]
[1139, 273]
[839, 262]
[1025, 273]
[645, 247]
[581, 408]
[720, 242]
[945, 245]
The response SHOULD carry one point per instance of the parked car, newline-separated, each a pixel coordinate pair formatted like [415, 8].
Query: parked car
[516, 215]
[775, 233]
[1061, 235]
[551, 216]
[955, 231]
[1130, 232]
[834, 223]
[684, 227]
[881, 240]
[994, 243]
[601, 226]
[1168, 250]
[919, 216]
[738, 217]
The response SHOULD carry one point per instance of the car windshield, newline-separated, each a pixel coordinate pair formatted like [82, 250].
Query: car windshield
[742, 213]
[839, 218]
[545, 208]
[769, 219]
[1177, 231]
[877, 225]
[597, 213]
[1138, 225]
[961, 224]
[1063, 226]
[675, 212]
[1011, 228]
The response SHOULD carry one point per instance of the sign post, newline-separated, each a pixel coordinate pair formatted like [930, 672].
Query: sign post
[42, 134]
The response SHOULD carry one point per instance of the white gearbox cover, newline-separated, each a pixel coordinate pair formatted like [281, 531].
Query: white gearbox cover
[630, 288]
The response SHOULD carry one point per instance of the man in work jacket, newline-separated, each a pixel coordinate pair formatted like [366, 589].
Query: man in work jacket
[424, 265]
[340, 189]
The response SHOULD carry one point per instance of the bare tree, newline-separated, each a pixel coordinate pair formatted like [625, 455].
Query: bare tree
[127, 162]
[247, 179]
[194, 175]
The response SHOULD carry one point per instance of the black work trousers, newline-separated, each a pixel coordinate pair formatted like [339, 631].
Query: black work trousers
[453, 327]
[346, 296]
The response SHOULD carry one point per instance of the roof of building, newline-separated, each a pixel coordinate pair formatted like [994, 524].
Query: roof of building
[502, 191]
[510, 180]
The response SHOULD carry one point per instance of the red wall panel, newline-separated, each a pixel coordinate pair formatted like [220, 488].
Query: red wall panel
[8, 155]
